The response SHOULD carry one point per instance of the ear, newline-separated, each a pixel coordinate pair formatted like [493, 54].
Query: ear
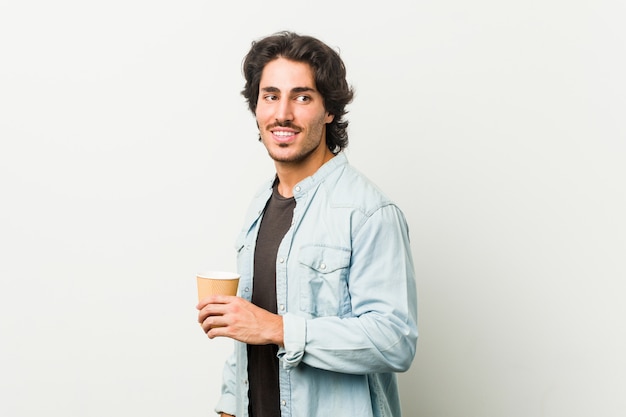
[329, 118]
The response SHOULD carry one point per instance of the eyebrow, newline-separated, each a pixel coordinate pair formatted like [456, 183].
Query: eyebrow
[293, 90]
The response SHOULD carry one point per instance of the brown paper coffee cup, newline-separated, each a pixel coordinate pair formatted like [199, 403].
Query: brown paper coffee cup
[217, 282]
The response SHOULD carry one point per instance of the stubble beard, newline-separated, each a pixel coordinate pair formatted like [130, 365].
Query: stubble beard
[308, 148]
[301, 156]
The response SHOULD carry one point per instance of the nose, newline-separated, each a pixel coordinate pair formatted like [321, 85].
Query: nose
[284, 111]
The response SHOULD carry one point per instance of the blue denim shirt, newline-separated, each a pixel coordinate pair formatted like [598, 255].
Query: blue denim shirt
[346, 290]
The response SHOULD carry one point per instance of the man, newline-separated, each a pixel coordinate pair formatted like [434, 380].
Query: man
[326, 310]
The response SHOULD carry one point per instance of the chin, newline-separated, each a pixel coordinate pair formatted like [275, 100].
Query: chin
[282, 154]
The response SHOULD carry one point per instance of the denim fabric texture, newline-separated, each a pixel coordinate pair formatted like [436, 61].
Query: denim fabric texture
[346, 290]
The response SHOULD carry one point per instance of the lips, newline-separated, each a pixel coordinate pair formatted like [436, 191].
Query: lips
[284, 135]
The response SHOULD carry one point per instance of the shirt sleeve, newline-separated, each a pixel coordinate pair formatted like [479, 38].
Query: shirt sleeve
[294, 330]
[381, 333]
[228, 400]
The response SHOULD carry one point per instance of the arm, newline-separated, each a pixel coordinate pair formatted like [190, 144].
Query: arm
[381, 335]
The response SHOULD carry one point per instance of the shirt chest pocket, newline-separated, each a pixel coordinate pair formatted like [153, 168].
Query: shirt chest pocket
[323, 278]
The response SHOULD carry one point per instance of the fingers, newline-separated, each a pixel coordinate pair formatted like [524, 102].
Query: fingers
[212, 310]
[213, 326]
[234, 317]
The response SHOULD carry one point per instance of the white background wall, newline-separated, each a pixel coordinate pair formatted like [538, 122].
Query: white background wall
[128, 157]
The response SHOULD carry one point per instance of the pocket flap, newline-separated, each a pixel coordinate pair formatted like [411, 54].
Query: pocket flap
[324, 259]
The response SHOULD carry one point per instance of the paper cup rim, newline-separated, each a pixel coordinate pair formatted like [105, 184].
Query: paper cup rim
[218, 275]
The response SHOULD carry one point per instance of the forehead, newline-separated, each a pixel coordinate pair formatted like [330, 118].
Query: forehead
[285, 74]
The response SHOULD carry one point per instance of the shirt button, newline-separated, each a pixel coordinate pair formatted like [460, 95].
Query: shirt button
[323, 266]
[282, 307]
[281, 260]
[246, 289]
[297, 188]
[283, 402]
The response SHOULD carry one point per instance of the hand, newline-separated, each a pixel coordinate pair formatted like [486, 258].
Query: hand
[226, 415]
[234, 317]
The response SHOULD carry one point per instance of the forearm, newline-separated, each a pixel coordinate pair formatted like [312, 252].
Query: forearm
[367, 344]
[356, 345]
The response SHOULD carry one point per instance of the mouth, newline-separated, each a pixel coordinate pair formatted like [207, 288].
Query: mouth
[284, 136]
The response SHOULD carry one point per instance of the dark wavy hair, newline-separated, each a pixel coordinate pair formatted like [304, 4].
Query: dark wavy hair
[328, 69]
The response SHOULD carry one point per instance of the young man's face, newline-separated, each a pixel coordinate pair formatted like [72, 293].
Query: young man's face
[290, 112]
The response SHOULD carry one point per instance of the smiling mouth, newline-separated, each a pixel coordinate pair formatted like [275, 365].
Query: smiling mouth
[284, 136]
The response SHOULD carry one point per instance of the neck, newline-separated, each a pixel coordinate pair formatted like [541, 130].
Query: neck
[291, 173]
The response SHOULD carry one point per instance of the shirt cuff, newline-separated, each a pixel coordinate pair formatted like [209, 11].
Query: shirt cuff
[294, 331]
[226, 404]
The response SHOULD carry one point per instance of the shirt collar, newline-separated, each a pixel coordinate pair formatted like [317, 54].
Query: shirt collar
[324, 171]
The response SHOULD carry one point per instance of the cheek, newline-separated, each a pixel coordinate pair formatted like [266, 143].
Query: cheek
[262, 116]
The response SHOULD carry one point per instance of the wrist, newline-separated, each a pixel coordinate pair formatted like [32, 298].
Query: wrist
[276, 335]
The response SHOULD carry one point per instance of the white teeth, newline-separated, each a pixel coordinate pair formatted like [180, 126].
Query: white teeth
[283, 133]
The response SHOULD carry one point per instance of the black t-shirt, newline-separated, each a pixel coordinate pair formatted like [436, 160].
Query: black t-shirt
[263, 391]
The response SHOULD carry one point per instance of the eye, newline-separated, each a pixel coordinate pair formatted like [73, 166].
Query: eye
[303, 99]
[270, 97]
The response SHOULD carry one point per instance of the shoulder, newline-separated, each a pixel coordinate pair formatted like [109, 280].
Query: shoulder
[349, 187]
